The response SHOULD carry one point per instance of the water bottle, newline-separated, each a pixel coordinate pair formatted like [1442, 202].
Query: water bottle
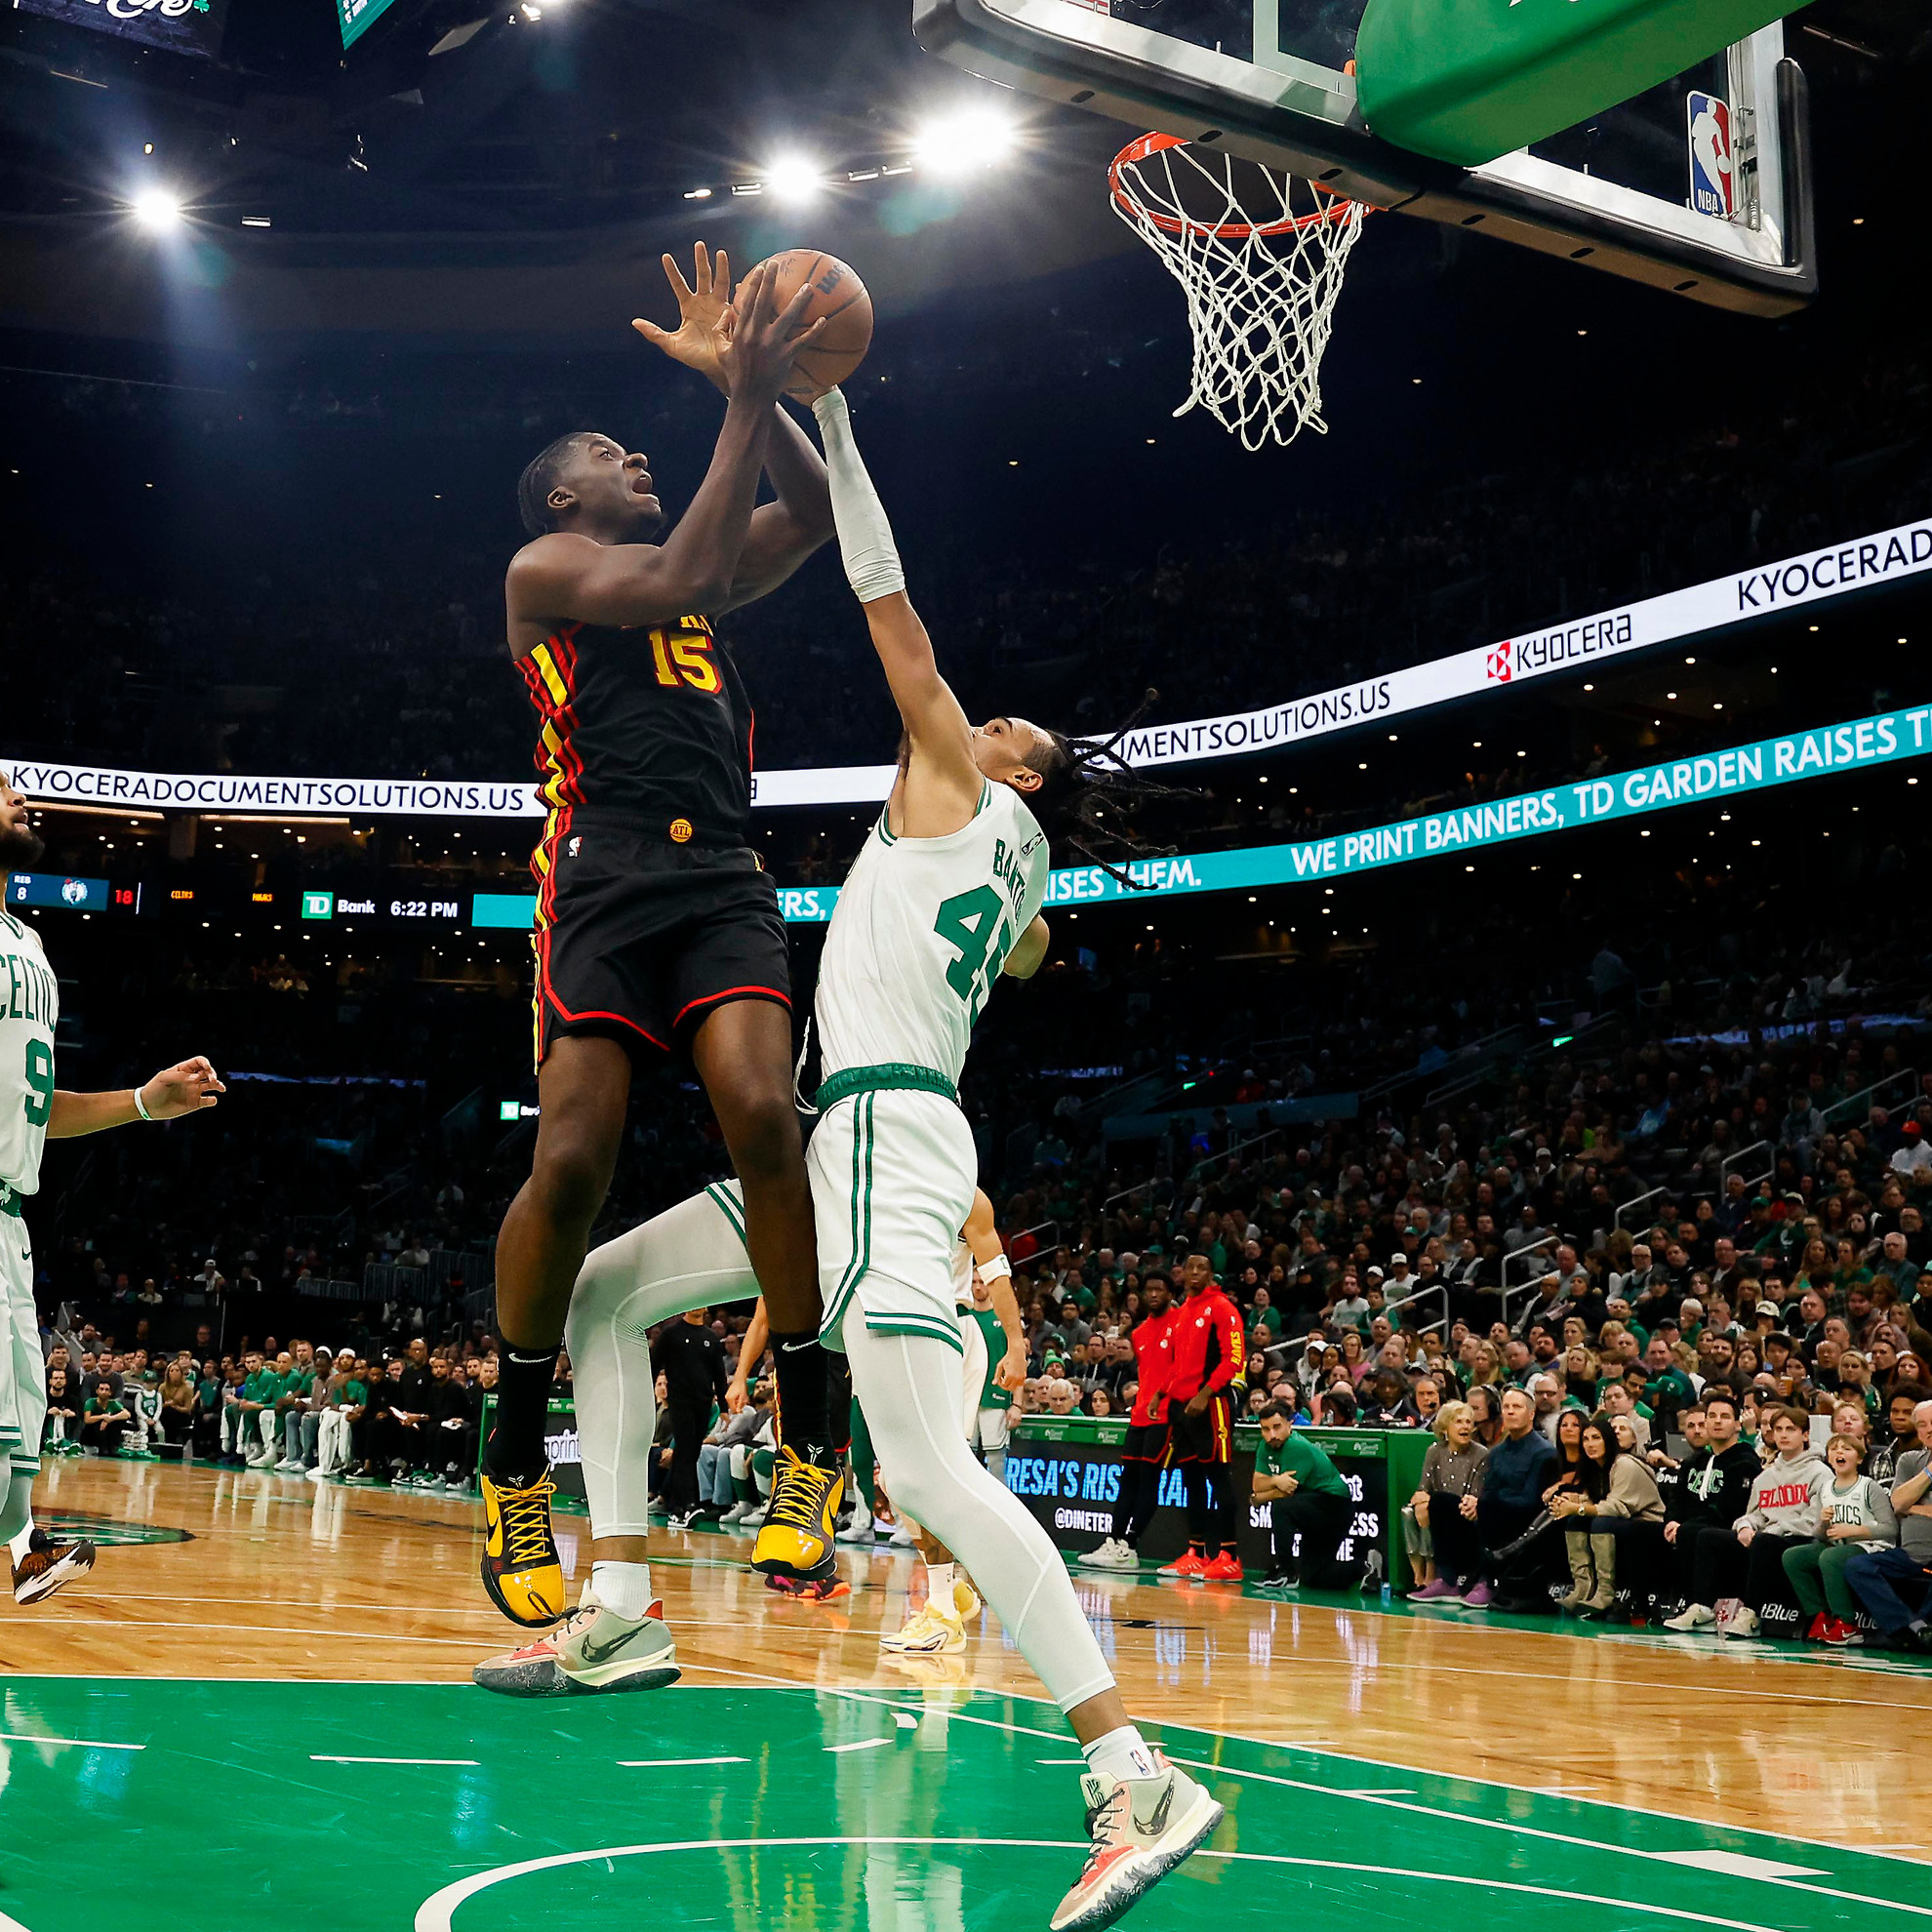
[1387, 1594]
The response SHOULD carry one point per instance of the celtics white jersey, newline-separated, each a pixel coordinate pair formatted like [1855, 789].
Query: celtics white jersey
[962, 1274]
[919, 934]
[30, 1007]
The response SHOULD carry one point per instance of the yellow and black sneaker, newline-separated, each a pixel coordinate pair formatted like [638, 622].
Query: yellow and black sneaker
[521, 1568]
[797, 1540]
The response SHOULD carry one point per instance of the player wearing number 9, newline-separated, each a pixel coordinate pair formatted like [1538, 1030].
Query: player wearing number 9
[31, 1109]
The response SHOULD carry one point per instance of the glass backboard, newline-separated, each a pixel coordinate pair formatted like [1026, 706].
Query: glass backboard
[1701, 186]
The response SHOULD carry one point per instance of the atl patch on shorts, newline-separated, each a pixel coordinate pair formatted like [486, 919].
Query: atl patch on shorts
[639, 939]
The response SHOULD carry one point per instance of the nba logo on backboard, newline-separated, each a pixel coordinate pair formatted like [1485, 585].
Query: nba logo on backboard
[1495, 665]
[1712, 165]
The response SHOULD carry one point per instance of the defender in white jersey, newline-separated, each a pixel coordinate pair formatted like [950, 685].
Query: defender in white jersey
[944, 899]
[32, 1108]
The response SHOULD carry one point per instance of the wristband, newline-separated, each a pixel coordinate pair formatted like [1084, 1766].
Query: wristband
[991, 1271]
[141, 1105]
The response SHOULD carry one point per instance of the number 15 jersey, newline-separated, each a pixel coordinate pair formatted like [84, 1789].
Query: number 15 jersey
[29, 1009]
[919, 934]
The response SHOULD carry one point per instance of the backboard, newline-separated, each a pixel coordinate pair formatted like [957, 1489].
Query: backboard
[1701, 186]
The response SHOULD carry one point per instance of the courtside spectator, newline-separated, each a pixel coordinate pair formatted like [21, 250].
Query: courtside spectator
[1856, 1516]
[1747, 1558]
[1445, 1503]
[1895, 1586]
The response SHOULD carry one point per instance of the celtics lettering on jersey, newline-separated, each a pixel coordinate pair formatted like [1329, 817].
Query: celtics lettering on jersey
[29, 1011]
[920, 933]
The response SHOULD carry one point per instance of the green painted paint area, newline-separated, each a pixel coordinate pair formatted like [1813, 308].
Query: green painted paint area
[943, 1819]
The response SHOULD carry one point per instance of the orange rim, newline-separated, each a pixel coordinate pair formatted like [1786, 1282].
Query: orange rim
[1138, 150]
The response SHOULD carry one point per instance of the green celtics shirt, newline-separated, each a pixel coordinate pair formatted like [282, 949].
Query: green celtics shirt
[1299, 1458]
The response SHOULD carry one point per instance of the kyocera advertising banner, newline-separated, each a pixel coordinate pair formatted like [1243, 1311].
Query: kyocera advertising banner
[1886, 557]
[182, 26]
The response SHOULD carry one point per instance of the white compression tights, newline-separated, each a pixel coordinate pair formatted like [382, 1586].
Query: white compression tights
[689, 1257]
[909, 1386]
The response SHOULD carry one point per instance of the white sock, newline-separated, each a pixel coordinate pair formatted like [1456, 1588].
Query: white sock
[18, 1547]
[939, 1584]
[1121, 1753]
[624, 1588]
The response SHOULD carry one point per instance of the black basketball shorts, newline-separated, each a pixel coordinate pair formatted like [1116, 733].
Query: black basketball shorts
[639, 939]
[1148, 1442]
[1208, 1437]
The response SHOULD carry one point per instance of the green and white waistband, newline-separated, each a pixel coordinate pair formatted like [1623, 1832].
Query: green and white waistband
[12, 1200]
[875, 1079]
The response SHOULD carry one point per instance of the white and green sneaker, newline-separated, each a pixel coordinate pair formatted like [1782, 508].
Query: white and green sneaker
[1141, 1829]
[593, 1649]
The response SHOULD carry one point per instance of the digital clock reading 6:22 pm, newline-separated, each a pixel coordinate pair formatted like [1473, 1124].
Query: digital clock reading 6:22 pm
[423, 908]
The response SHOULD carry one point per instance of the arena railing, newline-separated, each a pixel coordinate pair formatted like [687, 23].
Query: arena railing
[1908, 1075]
[1393, 1310]
[1545, 1246]
[1756, 1150]
[1636, 1201]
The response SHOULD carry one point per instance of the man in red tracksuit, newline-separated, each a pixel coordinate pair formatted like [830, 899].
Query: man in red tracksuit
[1204, 1383]
[1146, 1454]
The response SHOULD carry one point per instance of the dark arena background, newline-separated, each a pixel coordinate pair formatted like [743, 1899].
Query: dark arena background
[1527, 984]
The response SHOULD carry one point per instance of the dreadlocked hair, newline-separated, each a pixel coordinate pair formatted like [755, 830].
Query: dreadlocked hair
[1089, 796]
[534, 486]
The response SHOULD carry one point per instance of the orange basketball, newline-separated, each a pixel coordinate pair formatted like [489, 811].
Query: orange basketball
[840, 298]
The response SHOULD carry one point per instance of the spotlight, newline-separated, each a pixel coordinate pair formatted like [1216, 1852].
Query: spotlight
[794, 178]
[157, 208]
[957, 143]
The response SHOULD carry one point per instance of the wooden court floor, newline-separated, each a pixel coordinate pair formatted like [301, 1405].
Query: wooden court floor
[233, 1726]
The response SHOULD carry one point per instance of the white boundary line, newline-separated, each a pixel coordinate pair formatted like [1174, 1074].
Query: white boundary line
[437, 1912]
[75, 1743]
[1274, 1743]
[333, 1757]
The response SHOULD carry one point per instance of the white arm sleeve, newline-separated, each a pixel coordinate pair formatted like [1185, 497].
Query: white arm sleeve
[865, 537]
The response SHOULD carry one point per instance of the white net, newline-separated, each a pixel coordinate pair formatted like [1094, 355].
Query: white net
[1259, 257]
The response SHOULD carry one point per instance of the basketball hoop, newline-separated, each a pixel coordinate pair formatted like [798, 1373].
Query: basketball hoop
[1259, 256]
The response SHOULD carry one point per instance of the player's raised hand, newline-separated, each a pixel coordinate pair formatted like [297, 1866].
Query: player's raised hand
[185, 1088]
[763, 340]
[698, 342]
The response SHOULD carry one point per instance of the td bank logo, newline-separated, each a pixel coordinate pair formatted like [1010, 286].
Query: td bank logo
[1496, 665]
[318, 906]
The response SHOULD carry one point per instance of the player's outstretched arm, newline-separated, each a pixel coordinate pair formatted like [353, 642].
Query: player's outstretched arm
[943, 782]
[564, 576]
[186, 1087]
[781, 535]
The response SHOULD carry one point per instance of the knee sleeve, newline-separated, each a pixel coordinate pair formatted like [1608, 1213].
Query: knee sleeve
[689, 1257]
[909, 1388]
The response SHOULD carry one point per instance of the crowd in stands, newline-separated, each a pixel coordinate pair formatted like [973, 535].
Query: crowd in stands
[1713, 1238]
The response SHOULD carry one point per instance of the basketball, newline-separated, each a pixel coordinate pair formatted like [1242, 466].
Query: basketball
[840, 299]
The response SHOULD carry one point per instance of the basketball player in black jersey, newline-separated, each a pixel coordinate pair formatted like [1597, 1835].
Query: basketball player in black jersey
[657, 926]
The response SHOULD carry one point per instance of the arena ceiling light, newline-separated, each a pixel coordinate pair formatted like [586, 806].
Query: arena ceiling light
[960, 142]
[157, 208]
[795, 178]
